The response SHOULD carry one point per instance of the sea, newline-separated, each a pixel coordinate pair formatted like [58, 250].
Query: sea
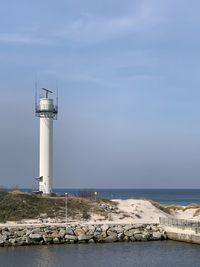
[163, 196]
[131, 254]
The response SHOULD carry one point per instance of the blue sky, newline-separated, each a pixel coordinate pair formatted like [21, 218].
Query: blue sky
[128, 78]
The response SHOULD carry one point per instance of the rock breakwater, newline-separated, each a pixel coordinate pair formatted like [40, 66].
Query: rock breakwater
[44, 235]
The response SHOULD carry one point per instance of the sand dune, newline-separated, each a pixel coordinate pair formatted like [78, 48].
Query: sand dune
[125, 212]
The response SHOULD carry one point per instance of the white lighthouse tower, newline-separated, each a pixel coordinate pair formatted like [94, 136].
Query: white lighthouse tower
[47, 111]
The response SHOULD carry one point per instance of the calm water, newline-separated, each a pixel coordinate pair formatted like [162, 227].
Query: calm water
[165, 196]
[144, 254]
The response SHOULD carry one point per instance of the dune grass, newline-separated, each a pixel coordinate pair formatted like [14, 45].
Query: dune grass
[16, 206]
[169, 208]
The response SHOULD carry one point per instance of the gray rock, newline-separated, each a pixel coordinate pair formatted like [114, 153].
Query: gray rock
[79, 231]
[53, 228]
[6, 244]
[98, 229]
[48, 231]
[28, 232]
[47, 239]
[3, 239]
[71, 237]
[154, 228]
[112, 235]
[84, 237]
[146, 235]
[62, 233]
[35, 230]
[132, 232]
[12, 241]
[91, 227]
[164, 236]
[120, 236]
[156, 236]
[148, 227]
[5, 229]
[20, 242]
[85, 228]
[82, 241]
[1, 242]
[55, 234]
[118, 229]
[21, 233]
[69, 231]
[109, 232]
[42, 242]
[104, 227]
[129, 233]
[138, 237]
[128, 227]
[97, 233]
[56, 240]
[139, 226]
[91, 230]
[81, 234]
[111, 238]
[5, 235]
[35, 237]
[27, 240]
[104, 234]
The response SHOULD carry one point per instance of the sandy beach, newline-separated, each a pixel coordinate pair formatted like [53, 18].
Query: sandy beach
[130, 211]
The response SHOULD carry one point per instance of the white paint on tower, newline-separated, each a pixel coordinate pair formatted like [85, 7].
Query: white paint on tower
[47, 112]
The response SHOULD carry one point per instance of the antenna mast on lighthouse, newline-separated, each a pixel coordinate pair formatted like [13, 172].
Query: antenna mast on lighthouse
[47, 111]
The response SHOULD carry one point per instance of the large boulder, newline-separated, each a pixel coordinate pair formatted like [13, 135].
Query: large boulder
[71, 237]
[84, 237]
[69, 231]
[132, 232]
[118, 229]
[104, 227]
[79, 231]
[62, 233]
[3, 239]
[20, 233]
[35, 237]
[156, 236]
[112, 237]
[91, 230]
[139, 237]
[56, 240]
[47, 239]
[13, 241]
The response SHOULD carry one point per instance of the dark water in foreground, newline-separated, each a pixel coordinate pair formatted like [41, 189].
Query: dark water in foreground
[138, 254]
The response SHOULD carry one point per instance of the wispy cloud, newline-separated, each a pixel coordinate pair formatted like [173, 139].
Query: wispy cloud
[15, 38]
[93, 29]
[90, 28]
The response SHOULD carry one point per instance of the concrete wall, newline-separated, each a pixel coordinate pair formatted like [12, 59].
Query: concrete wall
[183, 237]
